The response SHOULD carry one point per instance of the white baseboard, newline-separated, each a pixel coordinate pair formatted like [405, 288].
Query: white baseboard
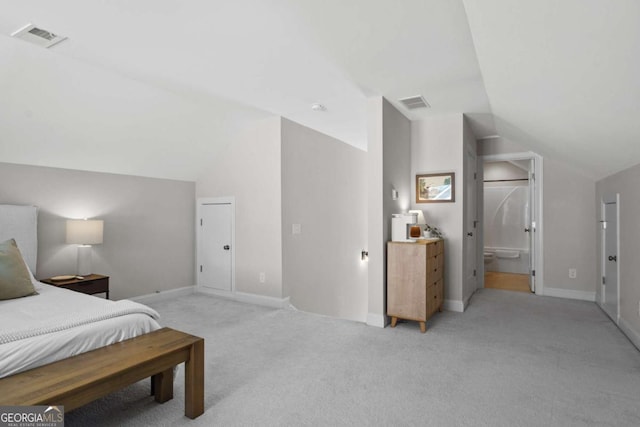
[632, 334]
[262, 300]
[467, 300]
[569, 293]
[164, 295]
[247, 297]
[377, 320]
[454, 305]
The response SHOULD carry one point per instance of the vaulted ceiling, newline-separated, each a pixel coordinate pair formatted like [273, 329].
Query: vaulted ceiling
[559, 77]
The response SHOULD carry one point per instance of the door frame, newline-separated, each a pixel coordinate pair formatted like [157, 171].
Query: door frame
[603, 252]
[538, 196]
[203, 201]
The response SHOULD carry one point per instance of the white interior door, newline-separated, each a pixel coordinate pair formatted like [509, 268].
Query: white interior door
[471, 216]
[609, 294]
[214, 246]
[531, 228]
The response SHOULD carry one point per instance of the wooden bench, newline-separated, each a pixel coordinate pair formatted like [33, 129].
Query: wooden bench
[80, 379]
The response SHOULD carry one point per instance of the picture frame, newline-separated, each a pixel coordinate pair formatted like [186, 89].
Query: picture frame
[436, 188]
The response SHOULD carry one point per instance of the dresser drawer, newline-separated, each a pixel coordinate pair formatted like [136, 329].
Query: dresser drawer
[432, 249]
[90, 287]
[439, 286]
[435, 248]
[435, 297]
[435, 267]
[432, 303]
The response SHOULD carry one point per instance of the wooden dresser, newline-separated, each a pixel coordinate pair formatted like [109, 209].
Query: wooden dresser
[415, 285]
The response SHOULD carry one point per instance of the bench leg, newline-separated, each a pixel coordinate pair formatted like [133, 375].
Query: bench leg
[194, 381]
[162, 385]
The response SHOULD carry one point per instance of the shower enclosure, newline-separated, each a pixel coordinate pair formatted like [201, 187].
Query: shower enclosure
[506, 216]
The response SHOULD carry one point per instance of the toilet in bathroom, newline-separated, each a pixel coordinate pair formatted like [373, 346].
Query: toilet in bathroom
[488, 257]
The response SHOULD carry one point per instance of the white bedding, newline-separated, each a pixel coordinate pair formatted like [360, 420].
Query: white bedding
[55, 303]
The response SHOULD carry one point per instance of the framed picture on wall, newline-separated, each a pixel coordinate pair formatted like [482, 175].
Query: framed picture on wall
[435, 188]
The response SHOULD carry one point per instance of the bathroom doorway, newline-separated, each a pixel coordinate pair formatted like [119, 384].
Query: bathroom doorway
[511, 226]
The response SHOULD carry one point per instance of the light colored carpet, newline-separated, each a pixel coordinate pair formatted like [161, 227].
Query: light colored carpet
[512, 359]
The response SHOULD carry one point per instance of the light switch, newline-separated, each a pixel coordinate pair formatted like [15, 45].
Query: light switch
[296, 229]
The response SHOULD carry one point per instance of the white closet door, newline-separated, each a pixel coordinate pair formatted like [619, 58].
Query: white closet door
[215, 251]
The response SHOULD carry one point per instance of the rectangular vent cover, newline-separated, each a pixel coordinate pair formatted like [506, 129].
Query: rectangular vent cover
[38, 36]
[414, 102]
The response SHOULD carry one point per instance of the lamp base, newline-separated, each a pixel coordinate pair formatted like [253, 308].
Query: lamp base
[84, 260]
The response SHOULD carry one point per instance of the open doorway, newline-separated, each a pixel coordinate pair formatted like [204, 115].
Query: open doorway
[511, 222]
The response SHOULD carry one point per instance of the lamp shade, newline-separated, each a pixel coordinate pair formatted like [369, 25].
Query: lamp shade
[84, 231]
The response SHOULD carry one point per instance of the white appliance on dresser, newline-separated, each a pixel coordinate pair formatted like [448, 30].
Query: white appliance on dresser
[401, 225]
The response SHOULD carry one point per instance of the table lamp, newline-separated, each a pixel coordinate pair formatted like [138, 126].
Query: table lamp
[84, 232]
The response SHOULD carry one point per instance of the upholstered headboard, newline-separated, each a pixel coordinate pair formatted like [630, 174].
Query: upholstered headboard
[21, 224]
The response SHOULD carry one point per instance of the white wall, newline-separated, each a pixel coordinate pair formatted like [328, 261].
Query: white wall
[249, 169]
[148, 225]
[324, 189]
[505, 171]
[60, 112]
[626, 184]
[569, 238]
[437, 146]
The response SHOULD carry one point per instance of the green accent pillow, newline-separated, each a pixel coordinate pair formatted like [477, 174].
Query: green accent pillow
[15, 281]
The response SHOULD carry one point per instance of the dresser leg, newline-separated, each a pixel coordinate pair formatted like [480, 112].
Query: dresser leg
[423, 327]
[394, 322]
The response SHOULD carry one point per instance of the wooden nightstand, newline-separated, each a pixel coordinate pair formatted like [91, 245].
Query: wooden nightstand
[91, 284]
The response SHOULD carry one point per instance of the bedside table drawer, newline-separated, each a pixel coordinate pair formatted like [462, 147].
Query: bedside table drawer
[91, 284]
[92, 287]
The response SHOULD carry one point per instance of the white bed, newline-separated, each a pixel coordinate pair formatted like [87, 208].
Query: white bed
[53, 307]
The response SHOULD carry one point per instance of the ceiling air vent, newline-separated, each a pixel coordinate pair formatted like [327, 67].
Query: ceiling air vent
[414, 102]
[38, 36]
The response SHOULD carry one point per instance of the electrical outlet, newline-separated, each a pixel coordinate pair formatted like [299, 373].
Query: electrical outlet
[573, 273]
[263, 277]
[296, 229]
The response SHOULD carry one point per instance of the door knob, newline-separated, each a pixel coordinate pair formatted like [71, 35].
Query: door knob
[470, 234]
[526, 230]
[225, 247]
[613, 258]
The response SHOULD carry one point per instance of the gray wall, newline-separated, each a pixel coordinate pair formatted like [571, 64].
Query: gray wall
[148, 225]
[437, 146]
[569, 235]
[325, 191]
[396, 161]
[396, 154]
[388, 166]
[249, 170]
[376, 307]
[626, 184]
